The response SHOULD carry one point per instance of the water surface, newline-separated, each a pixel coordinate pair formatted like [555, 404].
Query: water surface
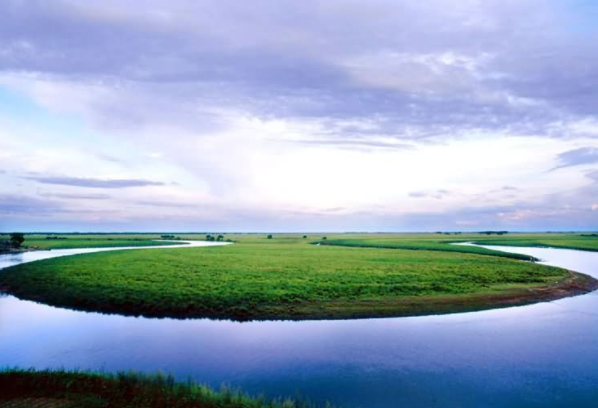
[543, 355]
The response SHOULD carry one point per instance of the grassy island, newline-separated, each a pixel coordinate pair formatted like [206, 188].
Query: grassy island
[288, 277]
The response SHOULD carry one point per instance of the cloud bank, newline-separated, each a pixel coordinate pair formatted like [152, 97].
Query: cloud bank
[94, 183]
[262, 115]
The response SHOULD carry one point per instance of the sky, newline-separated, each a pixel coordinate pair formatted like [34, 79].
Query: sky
[279, 115]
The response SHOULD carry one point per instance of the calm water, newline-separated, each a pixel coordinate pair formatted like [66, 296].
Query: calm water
[544, 355]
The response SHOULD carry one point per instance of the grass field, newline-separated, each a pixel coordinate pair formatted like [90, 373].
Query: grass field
[437, 242]
[585, 241]
[288, 278]
[425, 243]
[68, 241]
[64, 389]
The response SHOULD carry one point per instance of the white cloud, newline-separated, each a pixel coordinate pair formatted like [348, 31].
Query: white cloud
[256, 113]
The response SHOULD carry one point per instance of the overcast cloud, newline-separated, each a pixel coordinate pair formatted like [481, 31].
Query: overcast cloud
[262, 115]
[94, 183]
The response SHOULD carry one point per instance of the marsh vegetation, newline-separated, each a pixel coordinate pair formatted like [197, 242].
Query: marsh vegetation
[77, 389]
[69, 241]
[284, 277]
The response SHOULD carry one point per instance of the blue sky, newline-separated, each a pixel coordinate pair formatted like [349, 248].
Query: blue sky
[298, 116]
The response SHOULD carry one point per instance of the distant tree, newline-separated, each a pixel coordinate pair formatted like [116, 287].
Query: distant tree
[305, 236]
[270, 236]
[220, 238]
[324, 238]
[494, 232]
[17, 239]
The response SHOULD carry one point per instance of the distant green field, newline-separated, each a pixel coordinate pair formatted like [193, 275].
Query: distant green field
[427, 243]
[286, 277]
[441, 242]
[69, 241]
[586, 241]
[93, 243]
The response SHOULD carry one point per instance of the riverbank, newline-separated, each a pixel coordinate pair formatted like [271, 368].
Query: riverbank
[288, 279]
[70, 389]
[442, 241]
[42, 243]
[510, 356]
[14, 251]
[584, 243]
[421, 245]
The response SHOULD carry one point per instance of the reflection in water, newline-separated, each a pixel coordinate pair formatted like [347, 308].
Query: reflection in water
[542, 355]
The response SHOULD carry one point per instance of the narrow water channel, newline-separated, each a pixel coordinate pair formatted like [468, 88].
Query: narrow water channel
[543, 355]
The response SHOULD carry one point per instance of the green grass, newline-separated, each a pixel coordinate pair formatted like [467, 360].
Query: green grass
[68, 389]
[436, 242]
[69, 241]
[585, 241]
[418, 243]
[285, 278]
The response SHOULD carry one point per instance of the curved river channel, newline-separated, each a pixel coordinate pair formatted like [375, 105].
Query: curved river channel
[544, 355]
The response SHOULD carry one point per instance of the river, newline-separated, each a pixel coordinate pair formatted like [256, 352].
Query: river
[543, 355]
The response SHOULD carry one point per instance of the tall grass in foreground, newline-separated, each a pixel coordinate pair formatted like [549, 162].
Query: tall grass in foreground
[125, 390]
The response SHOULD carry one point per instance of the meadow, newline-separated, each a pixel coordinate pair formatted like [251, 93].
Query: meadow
[69, 241]
[415, 243]
[582, 241]
[75, 389]
[443, 242]
[288, 277]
